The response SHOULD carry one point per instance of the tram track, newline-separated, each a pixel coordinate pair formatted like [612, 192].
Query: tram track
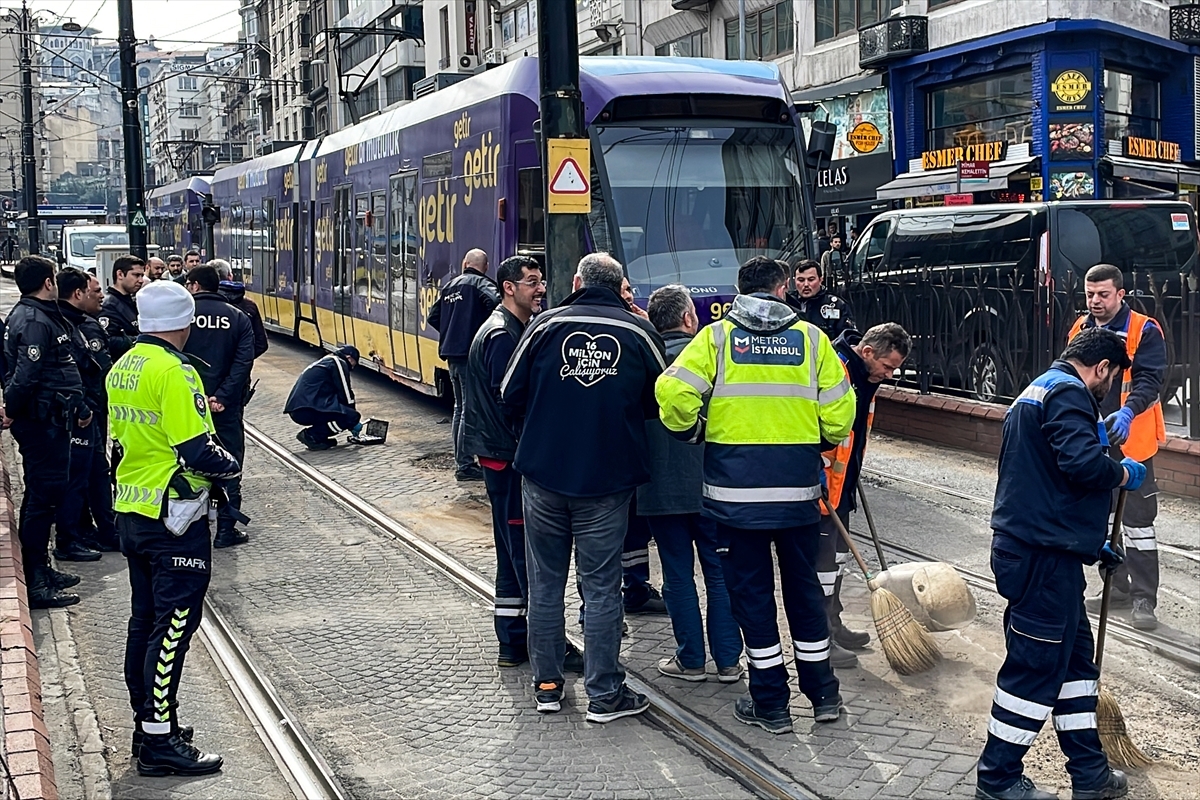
[701, 737]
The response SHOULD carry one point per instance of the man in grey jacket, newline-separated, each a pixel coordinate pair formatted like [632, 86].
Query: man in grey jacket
[670, 504]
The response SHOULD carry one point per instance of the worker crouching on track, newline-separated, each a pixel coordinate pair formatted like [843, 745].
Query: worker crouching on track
[1052, 500]
[775, 388]
[160, 415]
[323, 399]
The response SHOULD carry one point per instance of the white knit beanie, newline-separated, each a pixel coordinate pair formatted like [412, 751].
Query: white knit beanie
[164, 306]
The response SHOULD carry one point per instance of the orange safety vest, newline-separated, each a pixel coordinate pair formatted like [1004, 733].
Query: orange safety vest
[838, 459]
[1148, 430]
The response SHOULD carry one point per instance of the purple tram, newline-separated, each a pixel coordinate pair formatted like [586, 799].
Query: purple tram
[697, 165]
[174, 215]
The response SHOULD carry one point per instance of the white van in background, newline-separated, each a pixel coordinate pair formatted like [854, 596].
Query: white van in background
[78, 245]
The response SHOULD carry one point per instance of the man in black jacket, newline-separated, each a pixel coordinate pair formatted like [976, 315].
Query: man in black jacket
[43, 397]
[235, 293]
[323, 399]
[464, 303]
[118, 314]
[222, 342]
[582, 378]
[78, 299]
[487, 433]
[824, 309]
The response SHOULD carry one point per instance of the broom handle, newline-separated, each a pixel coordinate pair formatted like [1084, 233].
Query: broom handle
[862, 496]
[1108, 575]
[853, 549]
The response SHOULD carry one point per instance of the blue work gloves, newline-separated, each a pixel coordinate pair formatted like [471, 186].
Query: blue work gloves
[357, 430]
[1137, 473]
[1118, 424]
[1111, 557]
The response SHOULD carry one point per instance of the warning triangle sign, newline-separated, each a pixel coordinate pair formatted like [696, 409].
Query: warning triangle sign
[139, 220]
[569, 179]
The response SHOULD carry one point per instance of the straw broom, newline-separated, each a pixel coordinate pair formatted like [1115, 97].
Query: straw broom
[908, 647]
[1114, 738]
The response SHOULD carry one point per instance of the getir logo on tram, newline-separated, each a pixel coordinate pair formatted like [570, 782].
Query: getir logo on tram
[785, 348]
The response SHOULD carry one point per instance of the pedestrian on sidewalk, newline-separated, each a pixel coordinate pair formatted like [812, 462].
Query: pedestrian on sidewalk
[464, 303]
[160, 415]
[323, 399]
[43, 396]
[582, 382]
[869, 359]
[670, 506]
[1049, 520]
[775, 390]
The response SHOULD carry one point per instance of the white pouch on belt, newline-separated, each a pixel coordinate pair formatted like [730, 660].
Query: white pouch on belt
[182, 512]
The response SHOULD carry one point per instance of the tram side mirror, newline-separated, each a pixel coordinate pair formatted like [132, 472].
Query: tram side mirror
[821, 137]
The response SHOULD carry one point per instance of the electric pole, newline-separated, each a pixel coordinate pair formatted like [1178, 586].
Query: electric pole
[28, 157]
[135, 190]
[561, 110]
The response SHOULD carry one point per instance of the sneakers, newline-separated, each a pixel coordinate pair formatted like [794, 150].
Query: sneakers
[840, 657]
[1117, 599]
[777, 722]
[548, 695]
[1023, 789]
[829, 710]
[312, 442]
[573, 660]
[673, 668]
[469, 473]
[653, 604]
[850, 640]
[626, 704]
[729, 674]
[169, 754]
[1117, 785]
[1143, 617]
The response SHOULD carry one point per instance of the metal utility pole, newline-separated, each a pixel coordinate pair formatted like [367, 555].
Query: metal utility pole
[28, 157]
[561, 110]
[135, 188]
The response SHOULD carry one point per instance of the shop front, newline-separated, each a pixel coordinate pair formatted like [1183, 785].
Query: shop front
[1070, 109]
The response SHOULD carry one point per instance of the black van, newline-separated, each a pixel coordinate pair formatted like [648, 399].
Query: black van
[990, 292]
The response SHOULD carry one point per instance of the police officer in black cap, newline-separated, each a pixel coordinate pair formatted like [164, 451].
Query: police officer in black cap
[118, 313]
[44, 399]
[78, 298]
[222, 346]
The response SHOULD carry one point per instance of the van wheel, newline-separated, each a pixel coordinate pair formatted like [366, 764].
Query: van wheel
[986, 374]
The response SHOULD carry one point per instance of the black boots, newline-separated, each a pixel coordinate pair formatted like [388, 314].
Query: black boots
[230, 538]
[75, 550]
[185, 732]
[44, 591]
[170, 754]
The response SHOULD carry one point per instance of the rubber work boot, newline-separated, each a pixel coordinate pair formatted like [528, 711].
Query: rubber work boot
[169, 754]
[186, 732]
[1023, 789]
[230, 538]
[62, 580]
[777, 722]
[73, 550]
[840, 657]
[1143, 617]
[45, 594]
[1117, 785]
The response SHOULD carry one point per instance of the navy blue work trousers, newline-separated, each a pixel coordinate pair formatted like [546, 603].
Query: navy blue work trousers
[512, 582]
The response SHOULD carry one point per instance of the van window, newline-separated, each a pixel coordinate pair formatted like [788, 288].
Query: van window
[922, 240]
[992, 238]
[83, 244]
[868, 251]
[1130, 237]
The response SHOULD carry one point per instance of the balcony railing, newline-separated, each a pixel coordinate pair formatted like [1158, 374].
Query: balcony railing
[1185, 23]
[892, 39]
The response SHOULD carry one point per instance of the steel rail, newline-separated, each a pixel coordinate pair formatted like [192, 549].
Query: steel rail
[1191, 555]
[1183, 654]
[731, 758]
[308, 774]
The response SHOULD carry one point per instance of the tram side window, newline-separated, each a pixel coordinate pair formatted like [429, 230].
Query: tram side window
[378, 245]
[362, 207]
[266, 270]
[531, 210]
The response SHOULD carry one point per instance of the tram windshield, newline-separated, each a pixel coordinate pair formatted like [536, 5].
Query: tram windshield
[691, 203]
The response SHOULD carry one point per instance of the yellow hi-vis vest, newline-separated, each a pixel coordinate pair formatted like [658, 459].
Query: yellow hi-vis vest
[771, 399]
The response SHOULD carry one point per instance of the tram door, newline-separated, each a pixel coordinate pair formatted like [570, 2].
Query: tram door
[403, 292]
[343, 256]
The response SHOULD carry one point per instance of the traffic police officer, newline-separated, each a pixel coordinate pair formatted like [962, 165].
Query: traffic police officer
[222, 344]
[869, 359]
[118, 314]
[1134, 417]
[44, 399]
[160, 415]
[775, 389]
[822, 308]
[79, 297]
[1049, 520]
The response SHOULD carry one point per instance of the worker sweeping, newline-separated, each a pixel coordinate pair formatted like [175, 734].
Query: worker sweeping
[1052, 500]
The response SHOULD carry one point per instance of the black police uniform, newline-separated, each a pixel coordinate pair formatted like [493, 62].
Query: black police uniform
[824, 309]
[118, 317]
[235, 293]
[222, 342]
[44, 397]
[323, 399]
[88, 485]
[488, 433]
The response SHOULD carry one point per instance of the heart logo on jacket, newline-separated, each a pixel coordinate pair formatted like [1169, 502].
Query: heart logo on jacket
[589, 359]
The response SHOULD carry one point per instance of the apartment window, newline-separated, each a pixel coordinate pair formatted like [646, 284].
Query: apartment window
[769, 33]
[343, 8]
[444, 30]
[400, 83]
[508, 27]
[187, 83]
[936, 3]
[522, 22]
[997, 108]
[366, 103]
[189, 110]
[835, 17]
[408, 18]
[695, 46]
[1131, 106]
[189, 134]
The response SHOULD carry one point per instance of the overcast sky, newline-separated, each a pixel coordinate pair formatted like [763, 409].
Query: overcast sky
[190, 21]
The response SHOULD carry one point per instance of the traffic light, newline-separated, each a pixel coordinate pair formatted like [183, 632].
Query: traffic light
[210, 213]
